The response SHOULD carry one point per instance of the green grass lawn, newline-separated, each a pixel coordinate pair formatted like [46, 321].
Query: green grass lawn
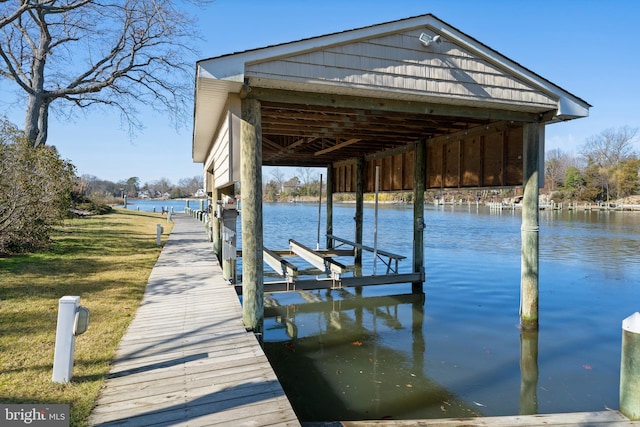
[106, 260]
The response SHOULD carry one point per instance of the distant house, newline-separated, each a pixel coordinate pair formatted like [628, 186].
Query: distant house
[200, 193]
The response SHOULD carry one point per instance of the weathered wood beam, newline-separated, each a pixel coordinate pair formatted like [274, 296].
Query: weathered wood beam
[329, 222]
[476, 131]
[216, 236]
[359, 218]
[337, 146]
[530, 227]
[419, 185]
[252, 239]
[416, 107]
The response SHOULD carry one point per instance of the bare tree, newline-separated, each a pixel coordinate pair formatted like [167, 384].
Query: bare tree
[115, 53]
[191, 185]
[307, 175]
[278, 179]
[556, 164]
[610, 147]
[606, 152]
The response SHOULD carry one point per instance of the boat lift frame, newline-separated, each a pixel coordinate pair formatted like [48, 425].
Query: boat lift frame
[324, 262]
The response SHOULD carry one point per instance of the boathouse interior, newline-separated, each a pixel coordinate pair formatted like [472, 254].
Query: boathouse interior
[415, 102]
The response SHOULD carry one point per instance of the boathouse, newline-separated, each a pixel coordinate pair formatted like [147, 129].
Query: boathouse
[415, 102]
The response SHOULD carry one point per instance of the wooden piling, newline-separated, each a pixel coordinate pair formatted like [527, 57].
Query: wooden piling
[360, 165]
[530, 227]
[419, 182]
[630, 368]
[252, 239]
[329, 227]
[216, 237]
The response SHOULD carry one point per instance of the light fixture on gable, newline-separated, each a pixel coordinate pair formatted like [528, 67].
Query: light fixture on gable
[426, 39]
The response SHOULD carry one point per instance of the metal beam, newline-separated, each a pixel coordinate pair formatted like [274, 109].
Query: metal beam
[319, 261]
[280, 265]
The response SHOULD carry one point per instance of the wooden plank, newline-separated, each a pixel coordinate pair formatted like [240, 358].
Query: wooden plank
[337, 146]
[186, 358]
[592, 419]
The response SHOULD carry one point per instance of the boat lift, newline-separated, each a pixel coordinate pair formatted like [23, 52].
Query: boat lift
[335, 272]
[323, 261]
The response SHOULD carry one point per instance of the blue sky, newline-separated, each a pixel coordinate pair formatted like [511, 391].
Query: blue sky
[589, 48]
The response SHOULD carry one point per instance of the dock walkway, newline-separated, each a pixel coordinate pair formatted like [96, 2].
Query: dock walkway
[186, 358]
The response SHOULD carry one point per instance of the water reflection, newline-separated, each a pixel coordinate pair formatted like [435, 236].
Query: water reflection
[529, 372]
[333, 350]
[459, 352]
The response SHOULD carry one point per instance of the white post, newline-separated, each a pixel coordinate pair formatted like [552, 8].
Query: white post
[159, 235]
[65, 341]
[630, 368]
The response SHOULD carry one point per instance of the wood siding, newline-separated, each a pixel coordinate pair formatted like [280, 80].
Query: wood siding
[400, 62]
[223, 162]
[490, 159]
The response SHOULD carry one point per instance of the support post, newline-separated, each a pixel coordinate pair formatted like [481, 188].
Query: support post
[252, 239]
[630, 368]
[329, 205]
[419, 183]
[375, 221]
[533, 132]
[319, 215]
[357, 260]
[216, 237]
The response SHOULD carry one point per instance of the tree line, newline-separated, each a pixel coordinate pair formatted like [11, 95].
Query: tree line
[606, 168]
[305, 183]
[38, 189]
[109, 191]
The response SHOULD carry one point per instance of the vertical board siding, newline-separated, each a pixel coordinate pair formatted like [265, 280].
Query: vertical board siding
[400, 62]
[492, 160]
[221, 158]
[515, 145]
[471, 162]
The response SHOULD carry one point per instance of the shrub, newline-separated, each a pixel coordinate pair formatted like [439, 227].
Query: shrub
[35, 191]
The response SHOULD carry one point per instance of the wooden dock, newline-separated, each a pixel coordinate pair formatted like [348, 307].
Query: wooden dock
[577, 419]
[186, 358]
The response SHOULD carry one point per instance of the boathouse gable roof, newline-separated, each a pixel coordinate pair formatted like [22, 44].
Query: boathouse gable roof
[385, 61]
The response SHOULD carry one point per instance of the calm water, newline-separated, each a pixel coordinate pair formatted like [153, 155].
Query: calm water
[381, 353]
[147, 205]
